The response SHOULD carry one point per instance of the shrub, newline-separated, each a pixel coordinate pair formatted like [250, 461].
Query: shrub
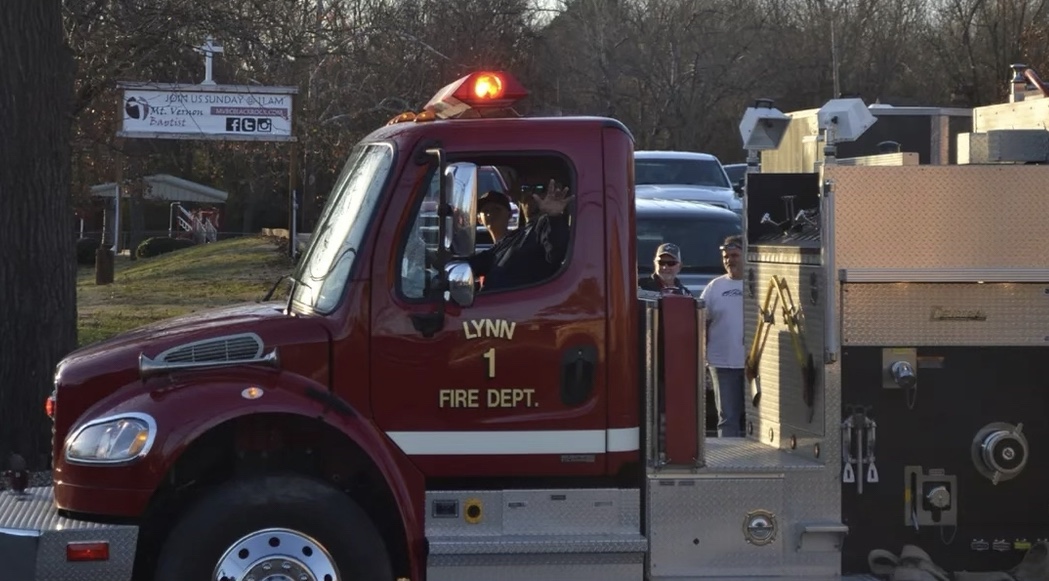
[85, 250]
[160, 245]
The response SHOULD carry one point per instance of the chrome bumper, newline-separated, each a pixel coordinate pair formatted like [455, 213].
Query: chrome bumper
[33, 540]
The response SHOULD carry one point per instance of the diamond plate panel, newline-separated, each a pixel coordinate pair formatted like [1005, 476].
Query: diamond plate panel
[924, 216]
[32, 531]
[538, 512]
[782, 412]
[35, 511]
[810, 496]
[779, 578]
[593, 567]
[697, 529]
[1013, 145]
[569, 512]
[735, 455]
[52, 566]
[929, 314]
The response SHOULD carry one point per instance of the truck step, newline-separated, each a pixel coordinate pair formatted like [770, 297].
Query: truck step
[609, 557]
[533, 535]
[34, 538]
[773, 578]
[537, 544]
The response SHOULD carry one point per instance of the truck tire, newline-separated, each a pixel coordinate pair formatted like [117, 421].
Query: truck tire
[294, 526]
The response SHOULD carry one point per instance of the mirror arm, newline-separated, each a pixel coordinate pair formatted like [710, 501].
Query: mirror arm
[444, 209]
[428, 324]
[442, 204]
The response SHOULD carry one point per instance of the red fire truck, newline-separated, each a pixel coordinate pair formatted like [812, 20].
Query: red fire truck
[393, 421]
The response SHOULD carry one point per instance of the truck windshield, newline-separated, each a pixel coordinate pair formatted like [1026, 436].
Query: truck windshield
[325, 268]
[680, 172]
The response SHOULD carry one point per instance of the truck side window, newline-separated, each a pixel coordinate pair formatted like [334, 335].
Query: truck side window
[529, 252]
[416, 262]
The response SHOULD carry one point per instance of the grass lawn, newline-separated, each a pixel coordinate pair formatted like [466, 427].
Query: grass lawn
[204, 276]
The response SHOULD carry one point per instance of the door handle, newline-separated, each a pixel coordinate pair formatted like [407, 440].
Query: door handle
[578, 366]
[428, 323]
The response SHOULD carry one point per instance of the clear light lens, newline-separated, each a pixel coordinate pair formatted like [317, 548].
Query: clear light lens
[120, 439]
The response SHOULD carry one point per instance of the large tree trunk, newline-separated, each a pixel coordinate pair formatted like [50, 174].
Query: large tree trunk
[37, 264]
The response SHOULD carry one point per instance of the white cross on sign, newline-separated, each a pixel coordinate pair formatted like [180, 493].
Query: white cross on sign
[208, 50]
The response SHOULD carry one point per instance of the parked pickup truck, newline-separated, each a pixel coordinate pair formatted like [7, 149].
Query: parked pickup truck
[684, 175]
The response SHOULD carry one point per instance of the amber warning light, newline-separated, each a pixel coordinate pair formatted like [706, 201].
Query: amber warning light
[476, 93]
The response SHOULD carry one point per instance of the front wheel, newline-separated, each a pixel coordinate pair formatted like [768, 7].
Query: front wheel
[275, 527]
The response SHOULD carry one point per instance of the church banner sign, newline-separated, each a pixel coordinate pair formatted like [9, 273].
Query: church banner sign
[223, 112]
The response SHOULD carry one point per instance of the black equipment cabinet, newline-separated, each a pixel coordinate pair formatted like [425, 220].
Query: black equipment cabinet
[934, 448]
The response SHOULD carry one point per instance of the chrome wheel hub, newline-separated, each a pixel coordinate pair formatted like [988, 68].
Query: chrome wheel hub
[276, 555]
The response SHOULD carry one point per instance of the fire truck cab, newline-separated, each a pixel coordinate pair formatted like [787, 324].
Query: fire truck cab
[396, 419]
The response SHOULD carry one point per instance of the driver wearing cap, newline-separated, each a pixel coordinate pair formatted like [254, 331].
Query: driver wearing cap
[532, 252]
[493, 212]
[664, 278]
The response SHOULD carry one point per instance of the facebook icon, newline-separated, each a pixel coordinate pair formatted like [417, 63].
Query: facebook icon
[232, 123]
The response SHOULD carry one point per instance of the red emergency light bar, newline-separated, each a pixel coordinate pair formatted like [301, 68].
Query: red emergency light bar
[476, 92]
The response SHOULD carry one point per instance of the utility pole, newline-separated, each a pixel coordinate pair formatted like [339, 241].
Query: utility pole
[834, 55]
[293, 203]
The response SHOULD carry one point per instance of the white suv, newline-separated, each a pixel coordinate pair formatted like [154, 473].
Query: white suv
[684, 175]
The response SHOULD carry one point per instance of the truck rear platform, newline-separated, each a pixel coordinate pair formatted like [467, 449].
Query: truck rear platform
[41, 545]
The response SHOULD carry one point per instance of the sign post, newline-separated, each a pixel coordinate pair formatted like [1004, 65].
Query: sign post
[210, 111]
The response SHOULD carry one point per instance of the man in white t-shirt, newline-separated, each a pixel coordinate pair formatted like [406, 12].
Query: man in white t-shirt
[725, 353]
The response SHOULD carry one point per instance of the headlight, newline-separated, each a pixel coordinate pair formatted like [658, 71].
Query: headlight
[111, 440]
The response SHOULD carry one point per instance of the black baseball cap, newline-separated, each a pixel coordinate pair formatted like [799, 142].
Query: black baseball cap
[493, 196]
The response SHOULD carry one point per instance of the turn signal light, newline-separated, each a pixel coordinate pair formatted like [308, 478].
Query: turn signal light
[49, 406]
[87, 551]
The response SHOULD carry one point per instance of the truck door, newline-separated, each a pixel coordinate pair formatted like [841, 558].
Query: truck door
[513, 385]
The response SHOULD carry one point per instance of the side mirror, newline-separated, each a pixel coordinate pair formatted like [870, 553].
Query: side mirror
[460, 187]
[460, 283]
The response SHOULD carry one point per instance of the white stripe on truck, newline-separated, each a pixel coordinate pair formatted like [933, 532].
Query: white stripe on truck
[517, 442]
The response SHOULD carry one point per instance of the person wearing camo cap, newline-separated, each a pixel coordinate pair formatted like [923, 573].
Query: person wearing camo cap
[667, 265]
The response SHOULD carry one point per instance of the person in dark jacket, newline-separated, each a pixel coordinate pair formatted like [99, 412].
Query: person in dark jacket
[493, 212]
[533, 252]
[664, 278]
